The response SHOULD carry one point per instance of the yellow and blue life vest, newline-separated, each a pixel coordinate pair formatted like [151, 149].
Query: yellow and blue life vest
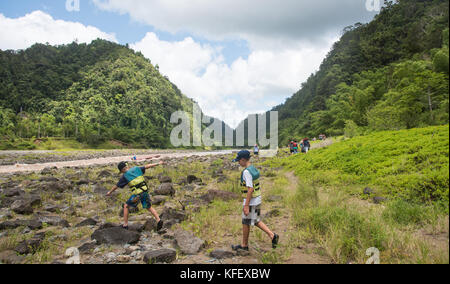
[256, 186]
[136, 179]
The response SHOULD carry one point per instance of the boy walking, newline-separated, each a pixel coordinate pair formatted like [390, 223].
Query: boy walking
[134, 178]
[251, 190]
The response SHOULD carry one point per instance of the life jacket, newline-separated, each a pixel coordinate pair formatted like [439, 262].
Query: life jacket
[256, 186]
[295, 146]
[137, 182]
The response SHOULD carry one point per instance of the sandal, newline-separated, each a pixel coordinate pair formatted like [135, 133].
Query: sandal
[160, 225]
[239, 247]
[124, 227]
[275, 241]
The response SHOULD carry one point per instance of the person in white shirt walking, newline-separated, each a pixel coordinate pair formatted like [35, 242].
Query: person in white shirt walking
[251, 191]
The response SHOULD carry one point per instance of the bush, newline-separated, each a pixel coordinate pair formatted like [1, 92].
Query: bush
[405, 213]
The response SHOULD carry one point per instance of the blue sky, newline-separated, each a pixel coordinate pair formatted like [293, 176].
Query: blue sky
[126, 29]
[233, 57]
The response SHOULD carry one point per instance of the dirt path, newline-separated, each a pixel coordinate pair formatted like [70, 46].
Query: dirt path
[100, 161]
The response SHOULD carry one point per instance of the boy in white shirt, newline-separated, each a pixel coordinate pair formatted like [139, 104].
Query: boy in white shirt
[251, 215]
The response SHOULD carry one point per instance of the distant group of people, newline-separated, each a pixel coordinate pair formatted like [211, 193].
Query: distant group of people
[303, 147]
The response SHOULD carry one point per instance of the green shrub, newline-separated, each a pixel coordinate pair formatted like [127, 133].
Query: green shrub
[406, 213]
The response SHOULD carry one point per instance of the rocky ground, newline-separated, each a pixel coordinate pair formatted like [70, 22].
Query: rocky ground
[64, 216]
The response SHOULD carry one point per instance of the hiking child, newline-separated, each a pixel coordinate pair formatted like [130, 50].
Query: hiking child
[295, 147]
[251, 190]
[134, 178]
[306, 145]
[256, 150]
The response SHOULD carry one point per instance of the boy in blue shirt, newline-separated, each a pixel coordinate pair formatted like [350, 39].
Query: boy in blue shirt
[134, 178]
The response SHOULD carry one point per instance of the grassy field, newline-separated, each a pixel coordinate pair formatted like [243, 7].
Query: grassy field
[409, 168]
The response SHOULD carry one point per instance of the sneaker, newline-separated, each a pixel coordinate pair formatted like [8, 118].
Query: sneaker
[239, 247]
[160, 225]
[275, 241]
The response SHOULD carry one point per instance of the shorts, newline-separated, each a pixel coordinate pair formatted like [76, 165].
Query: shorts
[256, 153]
[144, 198]
[254, 217]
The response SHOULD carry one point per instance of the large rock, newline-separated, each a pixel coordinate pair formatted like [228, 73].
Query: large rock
[115, 236]
[31, 245]
[88, 247]
[173, 214]
[22, 206]
[136, 227]
[159, 199]
[164, 179]
[160, 256]
[11, 192]
[55, 187]
[87, 222]
[10, 257]
[165, 189]
[188, 243]
[219, 194]
[368, 191]
[104, 174]
[191, 179]
[32, 224]
[53, 220]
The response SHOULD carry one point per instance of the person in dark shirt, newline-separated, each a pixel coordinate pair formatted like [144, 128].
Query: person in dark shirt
[134, 178]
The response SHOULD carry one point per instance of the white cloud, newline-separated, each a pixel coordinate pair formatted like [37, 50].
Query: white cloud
[260, 22]
[232, 91]
[40, 27]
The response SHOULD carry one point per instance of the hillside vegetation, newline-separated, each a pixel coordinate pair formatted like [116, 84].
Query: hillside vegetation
[389, 74]
[89, 92]
[388, 190]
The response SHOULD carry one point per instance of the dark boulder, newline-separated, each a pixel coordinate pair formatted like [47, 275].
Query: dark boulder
[88, 247]
[165, 189]
[53, 220]
[193, 179]
[87, 222]
[368, 191]
[164, 179]
[219, 194]
[115, 236]
[104, 174]
[188, 243]
[31, 245]
[32, 224]
[379, 200]
[159, 199]
[173, 214]
[11, 192]
[160, 256]
[22, 207]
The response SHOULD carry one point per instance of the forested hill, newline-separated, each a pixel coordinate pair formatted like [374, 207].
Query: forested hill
[92, 92]
[389, 74]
